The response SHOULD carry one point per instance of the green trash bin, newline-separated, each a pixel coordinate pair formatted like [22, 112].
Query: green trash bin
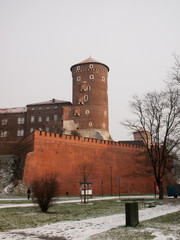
[132, 216]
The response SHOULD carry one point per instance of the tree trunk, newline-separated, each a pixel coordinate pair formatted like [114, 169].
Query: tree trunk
[161, 190]
[84, 193]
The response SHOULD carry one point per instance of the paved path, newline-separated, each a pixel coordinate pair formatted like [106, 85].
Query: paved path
[66, 200]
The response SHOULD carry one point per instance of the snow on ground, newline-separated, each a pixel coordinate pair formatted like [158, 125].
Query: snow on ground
[81, 230]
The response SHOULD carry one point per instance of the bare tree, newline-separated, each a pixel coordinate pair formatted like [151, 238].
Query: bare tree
[44, 189]
[85, 175]
[174, 74]
[158, 122]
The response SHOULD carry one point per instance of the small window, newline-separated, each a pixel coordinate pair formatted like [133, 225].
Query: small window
[31, 130]
[21, 120]
[87, 111]
[78, 68]
[103, 78]
[91, 77]
[40, 108]
[77, 112]
[4, 121]
[32, 108]
[105, 113]
[77, 125]
[40, 129]
[47, 118]
[90, 65]
[86, 98]
[83, 87]
[47, 129]
[88, 88]
[55, 117]
[79, 78]
[47, 107]
[4, 134]
[104, 125]
[81, 100]
[56, 107]
[40, 119]
[32, 118]
[20, 133]
[90, 124]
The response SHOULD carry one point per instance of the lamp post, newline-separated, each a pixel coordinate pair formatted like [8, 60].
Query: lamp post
[111, 181]
[102, 187]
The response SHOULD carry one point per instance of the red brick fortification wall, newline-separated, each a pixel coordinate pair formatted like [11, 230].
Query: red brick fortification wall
[107, 160]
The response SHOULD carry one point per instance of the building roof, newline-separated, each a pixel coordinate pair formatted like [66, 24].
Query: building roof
[13, 110]
[90, 60]
[52, 101]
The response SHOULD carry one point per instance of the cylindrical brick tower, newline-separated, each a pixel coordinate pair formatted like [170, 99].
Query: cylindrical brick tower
[90, 98]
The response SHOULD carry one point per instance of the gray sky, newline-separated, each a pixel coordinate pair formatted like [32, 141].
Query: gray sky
[41, 39]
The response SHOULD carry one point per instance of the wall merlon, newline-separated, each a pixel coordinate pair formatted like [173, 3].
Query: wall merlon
[84, 140]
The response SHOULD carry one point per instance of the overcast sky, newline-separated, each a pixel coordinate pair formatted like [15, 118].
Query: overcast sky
[41, 39]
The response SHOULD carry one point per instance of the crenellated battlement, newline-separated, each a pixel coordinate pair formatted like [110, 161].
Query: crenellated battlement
[84, 140]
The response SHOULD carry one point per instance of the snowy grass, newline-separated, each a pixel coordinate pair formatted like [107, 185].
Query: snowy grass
[23, 217]
[156, 228]
[26, 217]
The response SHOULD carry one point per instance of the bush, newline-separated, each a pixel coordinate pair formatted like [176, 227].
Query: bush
[44, 189]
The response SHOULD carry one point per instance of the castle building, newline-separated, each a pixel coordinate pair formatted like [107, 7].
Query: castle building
[43, 136]
[87, 114]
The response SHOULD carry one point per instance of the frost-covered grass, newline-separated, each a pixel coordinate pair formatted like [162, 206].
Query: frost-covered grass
[156, 228]
[23, 217]
[26, 217]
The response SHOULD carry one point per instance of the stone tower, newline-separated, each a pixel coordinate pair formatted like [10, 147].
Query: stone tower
[89, 111]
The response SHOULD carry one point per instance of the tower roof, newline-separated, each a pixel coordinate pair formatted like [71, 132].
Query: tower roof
[89, 60]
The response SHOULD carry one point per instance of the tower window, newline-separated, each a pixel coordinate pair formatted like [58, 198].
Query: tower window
[78, 78]
[91, 76]
[103, 78]
[87, 111]
[90, 124]
[77, 112]
[83, 87]
[104, 125]
[90, 65]
[86, 98]
[105, 113]
[81, 100]
[88, 88]
[78, 68]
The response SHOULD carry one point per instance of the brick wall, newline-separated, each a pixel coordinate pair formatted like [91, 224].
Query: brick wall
[107, 160]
